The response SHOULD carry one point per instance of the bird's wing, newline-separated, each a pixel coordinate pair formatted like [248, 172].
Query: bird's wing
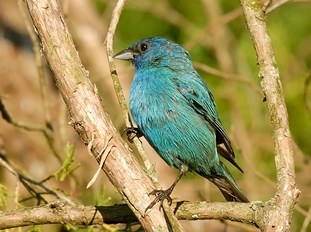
[201, 100]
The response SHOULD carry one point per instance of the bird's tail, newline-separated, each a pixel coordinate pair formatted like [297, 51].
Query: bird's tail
[230, 191]
[227, 186]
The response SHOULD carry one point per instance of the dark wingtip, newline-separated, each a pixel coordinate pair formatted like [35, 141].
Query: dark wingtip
[224, 153]
[227, 187]
[229, 190]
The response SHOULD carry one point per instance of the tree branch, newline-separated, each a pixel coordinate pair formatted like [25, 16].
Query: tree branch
[278, 216]
[87, 115]
[60, 212]
[95, 128]
[118, 89]
[175, 225]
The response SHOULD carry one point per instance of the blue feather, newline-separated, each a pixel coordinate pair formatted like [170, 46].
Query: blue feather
[175, 111]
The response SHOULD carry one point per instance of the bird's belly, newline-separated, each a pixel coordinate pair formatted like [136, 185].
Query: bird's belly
[178, 134]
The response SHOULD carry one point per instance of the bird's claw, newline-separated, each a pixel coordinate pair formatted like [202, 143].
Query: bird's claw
[161, 195]
[131, 133]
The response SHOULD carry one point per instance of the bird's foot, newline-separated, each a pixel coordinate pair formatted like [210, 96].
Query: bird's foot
[131, 133]
[161, 195]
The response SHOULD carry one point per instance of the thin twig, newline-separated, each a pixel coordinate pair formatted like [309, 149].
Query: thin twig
[226, 75]
[28, 182]
[200, 37]
[274, 5]
[109, 43]
[164, 11]
[118, 88]
[5, 164]
[306, 222]
[46, 131]
[39, 63]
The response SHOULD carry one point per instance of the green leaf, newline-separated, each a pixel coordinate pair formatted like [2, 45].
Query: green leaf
[67, 167]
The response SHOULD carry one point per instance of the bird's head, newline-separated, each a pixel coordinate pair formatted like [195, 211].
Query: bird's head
[154, 52]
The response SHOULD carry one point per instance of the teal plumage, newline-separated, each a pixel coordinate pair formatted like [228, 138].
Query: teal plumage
[175, 111]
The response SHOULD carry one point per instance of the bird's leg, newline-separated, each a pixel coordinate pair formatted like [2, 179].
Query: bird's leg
[161, 195]
[132, 132]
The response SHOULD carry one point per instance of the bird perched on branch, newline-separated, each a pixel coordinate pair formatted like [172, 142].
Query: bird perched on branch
[175, 111]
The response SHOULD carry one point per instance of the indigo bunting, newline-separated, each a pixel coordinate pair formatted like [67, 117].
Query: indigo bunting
[175, 111]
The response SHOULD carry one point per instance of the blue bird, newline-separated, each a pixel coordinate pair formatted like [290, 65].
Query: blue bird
[175, 111]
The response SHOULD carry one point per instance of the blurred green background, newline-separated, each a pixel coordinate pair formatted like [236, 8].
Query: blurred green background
[215, 34]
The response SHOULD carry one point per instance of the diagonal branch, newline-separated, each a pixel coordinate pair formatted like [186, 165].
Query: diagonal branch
[87, 115]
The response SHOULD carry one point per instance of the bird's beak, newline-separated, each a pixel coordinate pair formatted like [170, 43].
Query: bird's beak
[126, 54]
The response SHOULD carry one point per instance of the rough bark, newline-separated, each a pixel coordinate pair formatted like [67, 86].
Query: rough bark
[87, 115]
[95, 128]
[60, 212]
[279, 212]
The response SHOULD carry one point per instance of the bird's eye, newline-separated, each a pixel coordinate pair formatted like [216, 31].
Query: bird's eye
[142, 47]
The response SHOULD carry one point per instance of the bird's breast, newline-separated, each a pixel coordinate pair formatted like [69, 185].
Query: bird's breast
[153, 103]
[172, 127]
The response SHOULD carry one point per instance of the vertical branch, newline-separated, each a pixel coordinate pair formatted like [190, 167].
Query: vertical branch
[118, 88]
[279, 216]
[109, 42]
[174, 223]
